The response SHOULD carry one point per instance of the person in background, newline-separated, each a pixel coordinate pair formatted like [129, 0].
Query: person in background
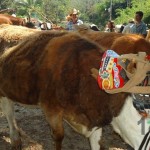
[139, 27]
[94, 27]
[73, 19]
[122, 27]
[45, 26]
[127, 28]
[111, 26]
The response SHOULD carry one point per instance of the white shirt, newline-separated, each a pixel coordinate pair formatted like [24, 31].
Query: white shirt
[14, 15]
[127, 28]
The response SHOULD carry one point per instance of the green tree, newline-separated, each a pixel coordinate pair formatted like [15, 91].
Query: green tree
[55, 10]
[5, 4]
[28, 7]
[86, 8]
[102, 10]
[125, 14]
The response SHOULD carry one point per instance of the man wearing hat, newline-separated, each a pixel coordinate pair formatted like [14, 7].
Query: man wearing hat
[127, 28]
[72, 19]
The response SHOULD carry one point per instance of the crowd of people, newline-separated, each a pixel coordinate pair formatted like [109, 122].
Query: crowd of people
[135, 26]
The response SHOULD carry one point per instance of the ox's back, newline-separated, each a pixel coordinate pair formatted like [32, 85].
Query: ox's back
[8, 19]
[11, 35]
[5, 20]
[105, 39]
[120, 43]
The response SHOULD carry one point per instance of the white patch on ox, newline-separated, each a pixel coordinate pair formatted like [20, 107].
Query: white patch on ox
[130, 126]
[95, 138]
[8, 109]
[94, 135]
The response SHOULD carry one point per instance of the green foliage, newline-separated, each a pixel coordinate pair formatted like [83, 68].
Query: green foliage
[55, 10]
[125, 14]
[103, 13]
[28, 7]
[4, 4]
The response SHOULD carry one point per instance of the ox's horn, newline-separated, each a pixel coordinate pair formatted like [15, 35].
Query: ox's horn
[94, 73]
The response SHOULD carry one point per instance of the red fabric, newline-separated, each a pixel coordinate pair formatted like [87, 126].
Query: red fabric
[109, 72]
[148, 57]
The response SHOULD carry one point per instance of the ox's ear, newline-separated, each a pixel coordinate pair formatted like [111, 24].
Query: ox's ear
[94, 72]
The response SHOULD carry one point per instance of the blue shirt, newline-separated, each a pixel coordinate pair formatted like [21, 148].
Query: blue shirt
[70, 24]
[139, 28]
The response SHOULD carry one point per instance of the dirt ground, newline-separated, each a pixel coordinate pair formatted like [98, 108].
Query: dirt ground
[36, 134]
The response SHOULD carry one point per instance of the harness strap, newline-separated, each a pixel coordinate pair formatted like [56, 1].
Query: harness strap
[148, 57]
[135, 79]
[144, 140]
[139, 89]
[141, 102]
[147, 143]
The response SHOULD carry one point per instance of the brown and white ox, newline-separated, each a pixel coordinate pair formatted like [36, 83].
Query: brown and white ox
[52, 69]
[11, 20]
[8, 19]
[11, 35]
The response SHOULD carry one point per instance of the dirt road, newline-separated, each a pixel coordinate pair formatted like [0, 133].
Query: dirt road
[36, 134]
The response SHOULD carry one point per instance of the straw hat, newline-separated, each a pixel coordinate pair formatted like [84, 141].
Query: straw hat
[74, 12]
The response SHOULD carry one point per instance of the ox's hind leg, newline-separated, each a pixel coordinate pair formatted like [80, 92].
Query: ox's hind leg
[95, 138]
[8, 109]
[54, 116]
[94, 134]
